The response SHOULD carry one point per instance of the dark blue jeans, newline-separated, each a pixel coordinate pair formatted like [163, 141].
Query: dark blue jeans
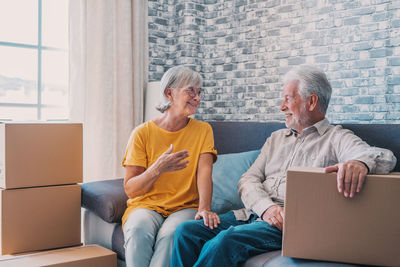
[231, 243]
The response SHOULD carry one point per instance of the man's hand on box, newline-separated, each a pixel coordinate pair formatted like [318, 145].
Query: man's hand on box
[350, 176]
[274, 216]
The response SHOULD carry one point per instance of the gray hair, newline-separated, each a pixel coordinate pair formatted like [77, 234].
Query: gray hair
[177, 77]
[311, 81]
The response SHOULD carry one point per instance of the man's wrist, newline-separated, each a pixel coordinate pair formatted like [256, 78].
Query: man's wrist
[262, 206]
[262, 214]
[365, 164]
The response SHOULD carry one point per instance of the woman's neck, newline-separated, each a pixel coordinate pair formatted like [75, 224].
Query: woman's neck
[171, 122]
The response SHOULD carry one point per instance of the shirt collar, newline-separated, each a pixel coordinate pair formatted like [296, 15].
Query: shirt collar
[321, 126]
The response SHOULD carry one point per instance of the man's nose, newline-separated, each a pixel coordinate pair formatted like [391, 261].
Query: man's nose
[283, 106]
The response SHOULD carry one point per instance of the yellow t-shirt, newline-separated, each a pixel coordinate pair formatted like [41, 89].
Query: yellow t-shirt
[176, 190]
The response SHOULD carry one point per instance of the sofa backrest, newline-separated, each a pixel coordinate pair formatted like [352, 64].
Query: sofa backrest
[233, 137]
[379, 135]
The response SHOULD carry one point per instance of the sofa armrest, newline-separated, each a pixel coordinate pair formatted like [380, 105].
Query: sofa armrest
[107, 199]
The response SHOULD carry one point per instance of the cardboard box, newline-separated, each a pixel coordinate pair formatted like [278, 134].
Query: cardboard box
[40, 218]
[88, 256]
[322, 224]
[40, 154]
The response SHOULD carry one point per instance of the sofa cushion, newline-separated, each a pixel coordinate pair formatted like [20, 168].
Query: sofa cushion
[226, 173]
[107, 199]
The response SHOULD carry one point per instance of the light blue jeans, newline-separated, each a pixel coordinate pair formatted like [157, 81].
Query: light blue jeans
[228, 245]
[149, 236]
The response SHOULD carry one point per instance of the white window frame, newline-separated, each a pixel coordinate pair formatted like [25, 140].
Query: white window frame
[39, 47]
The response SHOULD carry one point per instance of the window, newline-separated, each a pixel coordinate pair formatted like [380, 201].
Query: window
[33, 60]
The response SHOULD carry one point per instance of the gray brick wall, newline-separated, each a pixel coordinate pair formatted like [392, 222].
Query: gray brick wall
[242, 48]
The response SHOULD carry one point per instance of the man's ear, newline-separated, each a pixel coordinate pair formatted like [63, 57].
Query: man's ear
[312, 102]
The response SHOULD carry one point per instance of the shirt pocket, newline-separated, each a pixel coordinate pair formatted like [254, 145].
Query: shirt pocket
[316, 159]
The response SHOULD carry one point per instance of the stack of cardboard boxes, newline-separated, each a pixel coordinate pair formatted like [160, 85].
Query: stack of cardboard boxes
[40, 198]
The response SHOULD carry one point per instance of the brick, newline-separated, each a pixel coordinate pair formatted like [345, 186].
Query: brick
[323, 10]
[221, 20]
[219, 104]
[380, 17]
[322, 59]
[161, 21]
[250, 65]
[220, 75]
[273, 32]
[380, 53]
[240, 3]
[364, 100]
[381, 35]
[251, 110]
[295, 28]
[281, 55]
[362, 46]
[395, 23]
[362, 64]
[199, 7]
[394, 61]
[364, 11]
[349, 74]
[272, 3]
[351, 21]
[350, 109]
[351, 4]
[211, 41]
[364, 116]
[239, 89]
[337, 84]
[296, 61]
[393, 80]
[346, 92]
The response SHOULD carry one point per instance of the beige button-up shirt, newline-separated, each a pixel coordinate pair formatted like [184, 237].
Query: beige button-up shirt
[320, 145]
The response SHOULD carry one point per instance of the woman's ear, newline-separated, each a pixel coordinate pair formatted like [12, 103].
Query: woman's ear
[312, 102]
[168, 93]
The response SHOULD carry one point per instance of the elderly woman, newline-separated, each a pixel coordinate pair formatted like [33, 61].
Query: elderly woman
[168, 165]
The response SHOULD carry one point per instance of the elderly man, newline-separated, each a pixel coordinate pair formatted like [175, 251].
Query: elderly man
[309, 141]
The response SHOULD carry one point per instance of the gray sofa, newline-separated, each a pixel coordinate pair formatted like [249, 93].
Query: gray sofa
[238, 144]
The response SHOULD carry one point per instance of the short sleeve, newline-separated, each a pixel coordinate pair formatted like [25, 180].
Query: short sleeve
[208, 145]
[135, 153]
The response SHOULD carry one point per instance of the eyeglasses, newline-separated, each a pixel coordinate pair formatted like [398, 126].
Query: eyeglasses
[192, 92]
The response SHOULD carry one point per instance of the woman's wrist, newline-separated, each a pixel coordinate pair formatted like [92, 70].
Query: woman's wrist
[203, 209]
[154, 171]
